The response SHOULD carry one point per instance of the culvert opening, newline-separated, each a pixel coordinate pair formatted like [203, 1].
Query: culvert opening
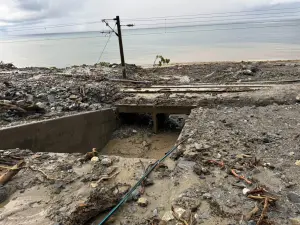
[135, 138]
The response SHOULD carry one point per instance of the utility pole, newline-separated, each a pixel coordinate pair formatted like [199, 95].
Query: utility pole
[121, 46]
[119, 34]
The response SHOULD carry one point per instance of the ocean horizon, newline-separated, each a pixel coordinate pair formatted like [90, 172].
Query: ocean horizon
[181, 44]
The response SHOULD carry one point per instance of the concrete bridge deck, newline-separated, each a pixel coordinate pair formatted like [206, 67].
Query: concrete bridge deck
[181, 99]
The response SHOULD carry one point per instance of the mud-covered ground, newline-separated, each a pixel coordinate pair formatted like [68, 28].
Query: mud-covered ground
[29, 94]
[259, 143]
[241, 166]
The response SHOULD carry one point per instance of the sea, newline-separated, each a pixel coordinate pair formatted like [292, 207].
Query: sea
[180, 44]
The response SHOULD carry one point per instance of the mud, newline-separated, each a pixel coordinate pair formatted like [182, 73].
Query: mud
[32, 94]
[256, 133]
[141, 143]
[268, 135]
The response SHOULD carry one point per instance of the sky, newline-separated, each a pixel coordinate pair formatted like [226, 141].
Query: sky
[17, 15]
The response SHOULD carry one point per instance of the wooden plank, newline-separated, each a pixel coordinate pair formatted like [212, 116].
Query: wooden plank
[166, 90]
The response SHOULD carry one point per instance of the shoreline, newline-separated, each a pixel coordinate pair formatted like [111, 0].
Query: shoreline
[147, 66]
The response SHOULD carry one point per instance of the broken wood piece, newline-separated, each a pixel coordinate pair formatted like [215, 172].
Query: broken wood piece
[241, 177]
[45, 175]
[11, 106]
[107, 177]
[257, 190]
[11, 172]
[252, 212]
[264, 211]
[130, 81]
[258, 197]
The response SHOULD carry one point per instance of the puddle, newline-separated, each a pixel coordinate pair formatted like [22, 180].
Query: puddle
[141, 145]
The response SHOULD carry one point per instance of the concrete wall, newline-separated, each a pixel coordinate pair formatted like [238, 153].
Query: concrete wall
[76, 133]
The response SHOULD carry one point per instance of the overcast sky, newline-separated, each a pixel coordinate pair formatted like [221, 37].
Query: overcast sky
[22, 13]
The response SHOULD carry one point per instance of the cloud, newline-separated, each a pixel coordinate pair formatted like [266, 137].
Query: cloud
[33, 5]
[50, 12]
[24, 11]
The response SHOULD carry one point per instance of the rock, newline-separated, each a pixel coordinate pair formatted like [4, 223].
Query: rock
[295, 221]
[293, 197]
[57, 187]
[247, 72]
[168, 216]
[106, 162]
[207, 196]
[95, 159]
[148, 182]
[21, 102]
[143, 202]
[291, 153]
[84, 105]
[95, 106]
[190, 140]
[197, 146]
[219, 156]
[298, 98]
[51, 98]
[245, 191]
[135, 195]
[254, 68]
[94, 184]
[251, 222]
[40, 105]
[155, 213]
[179, 211]
[297, 163]
[73, 97]
[3, 193]
[205, 171]
[53, 90]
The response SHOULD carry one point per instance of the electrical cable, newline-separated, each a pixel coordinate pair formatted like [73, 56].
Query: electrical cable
[165, 32]
[105, 45]
[188, 31]
[145, 175]
[191, 16]
[224, 21]
[209, 15]
[52, 39]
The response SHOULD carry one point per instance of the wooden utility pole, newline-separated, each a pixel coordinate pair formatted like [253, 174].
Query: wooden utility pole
[121, 46]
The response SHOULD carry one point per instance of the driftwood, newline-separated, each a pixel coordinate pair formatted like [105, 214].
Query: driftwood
[130, 81]
[11, 106]
[10, 173]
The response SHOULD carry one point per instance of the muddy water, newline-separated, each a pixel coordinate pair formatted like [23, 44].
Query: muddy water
[141, 145]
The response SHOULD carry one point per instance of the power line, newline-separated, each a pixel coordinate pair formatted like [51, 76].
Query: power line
[184, 31]
[223, 24]
[248, 19]
[221, 16]
[212, 14]
[208, 24]
[52, 39]
[191, 16]
[105, 45]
